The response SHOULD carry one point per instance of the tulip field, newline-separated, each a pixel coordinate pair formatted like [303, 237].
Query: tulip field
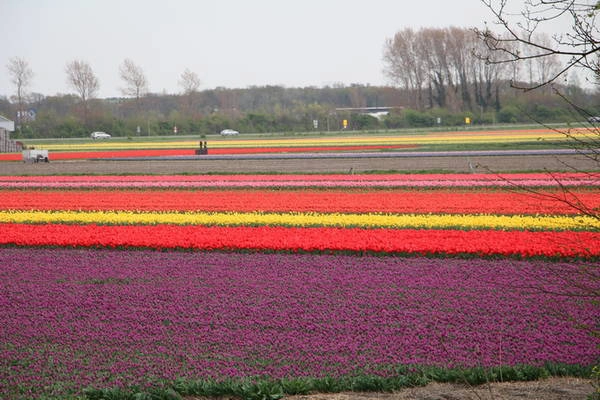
[392, 141]
[193, 284]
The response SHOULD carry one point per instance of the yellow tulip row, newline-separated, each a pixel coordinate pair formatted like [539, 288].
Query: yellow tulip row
[477, 137]
[367, 220]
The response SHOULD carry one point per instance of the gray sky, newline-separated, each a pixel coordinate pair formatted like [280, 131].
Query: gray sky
[229, 43]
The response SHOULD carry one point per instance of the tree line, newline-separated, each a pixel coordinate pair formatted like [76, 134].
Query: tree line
[452, 68]
[441, 76]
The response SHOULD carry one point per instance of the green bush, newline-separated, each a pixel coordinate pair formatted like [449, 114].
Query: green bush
[394, 121]
[364, 122]
[509, 115]
[416, 119]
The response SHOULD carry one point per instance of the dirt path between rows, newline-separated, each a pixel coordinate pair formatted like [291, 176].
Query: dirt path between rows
[326, 165]
[548, 389]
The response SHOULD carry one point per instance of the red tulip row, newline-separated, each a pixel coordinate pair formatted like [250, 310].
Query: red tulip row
[70, 155]
[74, 155]
[385, 201]
[487, 242]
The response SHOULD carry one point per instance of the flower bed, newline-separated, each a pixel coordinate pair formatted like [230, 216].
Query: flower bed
[273, 238]
[305, 181]
[486, 201]
[78, 318]
[155, 279]
[310, 219]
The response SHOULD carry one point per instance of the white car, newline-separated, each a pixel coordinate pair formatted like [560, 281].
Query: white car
[100, 135]
[593, 120]
[228, 132]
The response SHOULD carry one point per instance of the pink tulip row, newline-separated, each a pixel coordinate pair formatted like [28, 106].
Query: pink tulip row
[301, 177]
[364, 181]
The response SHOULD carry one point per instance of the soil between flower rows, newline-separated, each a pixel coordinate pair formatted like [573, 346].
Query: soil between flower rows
[345, 165]
[549, 389]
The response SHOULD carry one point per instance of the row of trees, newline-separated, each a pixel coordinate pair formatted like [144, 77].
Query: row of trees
[452, 68]
[271, 109]
[82, 79]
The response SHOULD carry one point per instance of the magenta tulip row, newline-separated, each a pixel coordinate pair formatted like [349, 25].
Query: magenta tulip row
[106, 317]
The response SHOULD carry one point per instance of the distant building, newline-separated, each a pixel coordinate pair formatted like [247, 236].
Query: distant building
[6, 144]
[376, 112]
[7, 124]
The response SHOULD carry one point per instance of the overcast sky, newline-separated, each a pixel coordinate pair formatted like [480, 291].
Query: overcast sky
[229, 43]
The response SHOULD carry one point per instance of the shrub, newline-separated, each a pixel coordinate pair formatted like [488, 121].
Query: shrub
[418, 119]
[509, 114]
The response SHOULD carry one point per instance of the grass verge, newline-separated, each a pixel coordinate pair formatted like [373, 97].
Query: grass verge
[261, 388]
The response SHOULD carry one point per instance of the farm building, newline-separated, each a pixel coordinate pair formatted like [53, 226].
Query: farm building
[6, 144]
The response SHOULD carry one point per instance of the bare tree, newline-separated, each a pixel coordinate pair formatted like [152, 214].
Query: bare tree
[519, 42]
[81, 77]
[487, 78]
[403, 65]
[457, 44]
[438, 65]
[136, 84]
[189, 82]
[20, 75]
[441, 62]
[538, 69]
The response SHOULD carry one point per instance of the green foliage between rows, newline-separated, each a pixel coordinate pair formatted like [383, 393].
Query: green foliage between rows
[268, 389]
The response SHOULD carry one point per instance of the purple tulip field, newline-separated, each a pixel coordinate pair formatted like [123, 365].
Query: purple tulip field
[77, 318]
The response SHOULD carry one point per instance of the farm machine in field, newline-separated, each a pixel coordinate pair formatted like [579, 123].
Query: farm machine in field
[35, 156]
